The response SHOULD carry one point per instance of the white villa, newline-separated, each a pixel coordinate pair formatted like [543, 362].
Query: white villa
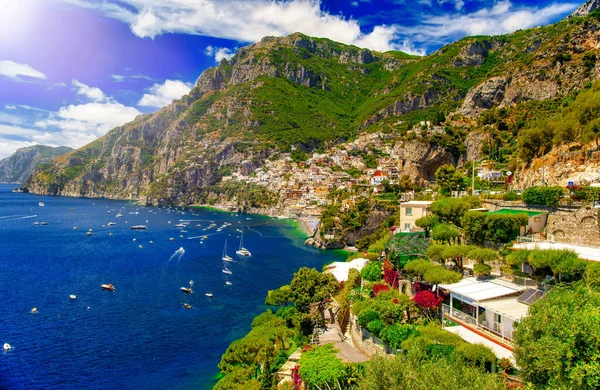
[489, 308]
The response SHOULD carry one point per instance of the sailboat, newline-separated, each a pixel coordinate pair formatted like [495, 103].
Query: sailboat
[243, 251]
[226, 257]
[226, 270]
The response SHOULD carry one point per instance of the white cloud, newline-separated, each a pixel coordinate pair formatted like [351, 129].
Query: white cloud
[502, 18]
[92, 93]
[119, 78]
[9, 146]
[15, 70]
[220, 53]
[243, 21]
[10, 107]
[160, 95]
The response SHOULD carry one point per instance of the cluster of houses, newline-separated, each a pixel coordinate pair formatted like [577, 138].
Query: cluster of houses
[305, 186]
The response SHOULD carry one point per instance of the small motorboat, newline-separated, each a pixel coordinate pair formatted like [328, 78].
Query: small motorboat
[181, 225]
[187, 306]
[209, 295]
[186, 290]
[140, 246]
[43, 223]
[112, 223]
[119, 215]
[110, 234]
[108, 287]
[73, 296]
[7, 347]
[228, 283]
[36, 223]
[191, 282]
[135, 239]
[89, 233]
[41, 204]
[74, 227]
[171, 239]
[138, 227]
[151, 242]
[181, 236]
[103, 226]
[34, 310]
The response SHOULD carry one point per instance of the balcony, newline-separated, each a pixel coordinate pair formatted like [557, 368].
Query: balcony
[471, 323]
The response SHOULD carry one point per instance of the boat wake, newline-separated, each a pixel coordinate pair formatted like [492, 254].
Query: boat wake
[25, 217]
[178, 253]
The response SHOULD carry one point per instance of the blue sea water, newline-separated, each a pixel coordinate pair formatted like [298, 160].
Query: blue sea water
[139, 336]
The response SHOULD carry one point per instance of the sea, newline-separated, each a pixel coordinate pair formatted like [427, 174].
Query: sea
[139, 336]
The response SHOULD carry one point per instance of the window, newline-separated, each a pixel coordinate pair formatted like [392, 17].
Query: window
[407, 226]
[409, 211]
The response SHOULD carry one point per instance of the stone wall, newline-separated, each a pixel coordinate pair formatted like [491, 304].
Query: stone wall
[581, 227]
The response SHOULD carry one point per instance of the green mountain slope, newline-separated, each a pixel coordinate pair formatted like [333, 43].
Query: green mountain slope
[311, 93]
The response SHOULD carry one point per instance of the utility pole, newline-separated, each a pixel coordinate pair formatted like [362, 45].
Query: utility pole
[473, 180]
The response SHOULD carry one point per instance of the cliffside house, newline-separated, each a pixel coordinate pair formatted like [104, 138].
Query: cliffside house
[378, 177]
[537, 219]
[410, 212]
[489, 308]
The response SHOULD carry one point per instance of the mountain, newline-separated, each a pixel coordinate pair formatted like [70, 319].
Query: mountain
[18, 167]
[301, 94]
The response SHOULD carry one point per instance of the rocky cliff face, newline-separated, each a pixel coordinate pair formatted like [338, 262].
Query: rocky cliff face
[587, 8]
[17, 167]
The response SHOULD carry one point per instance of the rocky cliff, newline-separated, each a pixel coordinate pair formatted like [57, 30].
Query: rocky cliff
[587, 8]
[18, 167]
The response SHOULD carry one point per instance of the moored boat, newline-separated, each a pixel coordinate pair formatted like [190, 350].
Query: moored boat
[108, 287]
[187, 306]
[186, 290]
[138, 227]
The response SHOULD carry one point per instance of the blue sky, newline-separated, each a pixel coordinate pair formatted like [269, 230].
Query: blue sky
[70, 70]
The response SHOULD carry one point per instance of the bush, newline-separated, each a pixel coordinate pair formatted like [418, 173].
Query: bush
[482, 269]
[438, 351]
[543, 196]
[592, 275]
[511, 196]
[476, 355]
[396, 334]
[379, 288]
[372, 271]
[375, 327]
[498, 228]
[427, 299]
[320, 366]
[367, 315]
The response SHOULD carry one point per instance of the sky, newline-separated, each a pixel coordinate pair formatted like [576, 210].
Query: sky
[71, 70]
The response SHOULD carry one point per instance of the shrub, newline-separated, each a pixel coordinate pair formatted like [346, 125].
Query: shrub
[379, 288]
[366, 316]
[437, 351]
[395, 334]
[375, 327]
[427, 299]
[372, 271]
[476, 355]
[543, 196]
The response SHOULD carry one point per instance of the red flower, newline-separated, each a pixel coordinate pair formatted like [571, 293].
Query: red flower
[427, 299]
[395, 300]
[379, 288]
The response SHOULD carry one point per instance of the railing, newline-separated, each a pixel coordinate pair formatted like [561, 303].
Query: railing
[458, 315]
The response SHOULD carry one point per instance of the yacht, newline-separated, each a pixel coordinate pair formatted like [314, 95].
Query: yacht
[44, 223]
[138, 227]
[112, 223]
[186, 290]
[209, 295]
[108, 287]
[243, 251]
[73, 296]
[225, 256]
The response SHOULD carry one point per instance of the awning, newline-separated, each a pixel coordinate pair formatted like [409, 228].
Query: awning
[508, 307]
[477, 290]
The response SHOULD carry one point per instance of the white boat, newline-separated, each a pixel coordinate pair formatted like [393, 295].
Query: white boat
[226, 270]
[138, 227]
[181, 225]
[119, 215]
[151, 242]
[186, 290]
[108, 287]
[34, 310]
[41, 204]
[112, 223]
[228, 283]
[36, 223]
[73, 296]
[209, 295]
[191, 282]
[7, 347]
[225, 256]
[44, 223]
[243, 251]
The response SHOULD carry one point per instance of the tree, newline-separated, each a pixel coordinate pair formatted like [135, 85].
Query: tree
[452, 209]
[413, 371]
[564, 265]
[311, 286]
[320, 366]
[457, 253]
[498, 228]
[445, 232]
[427, 222]
[372, 271]
[428, 303]
[558, 343]
[280, 297]
[543, 196]
[483, 255]
[448, 178]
